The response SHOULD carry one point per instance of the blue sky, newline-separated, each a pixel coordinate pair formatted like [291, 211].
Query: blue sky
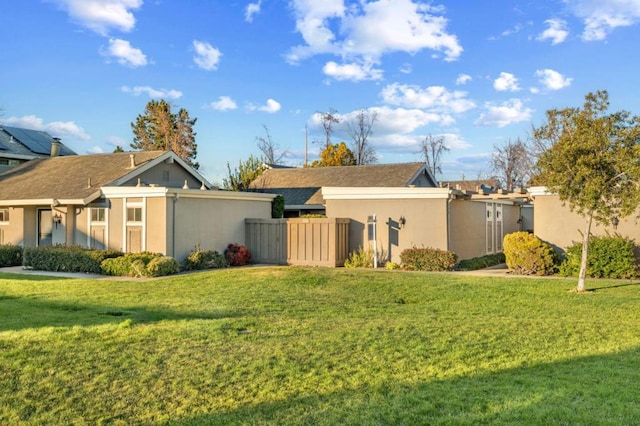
[476, 72]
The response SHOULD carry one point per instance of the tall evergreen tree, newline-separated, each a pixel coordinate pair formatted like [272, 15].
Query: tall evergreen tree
[160, 129]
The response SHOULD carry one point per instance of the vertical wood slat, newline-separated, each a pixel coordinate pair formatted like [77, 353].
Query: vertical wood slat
[298, 241]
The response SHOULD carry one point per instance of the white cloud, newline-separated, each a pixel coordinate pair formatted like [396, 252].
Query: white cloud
[368, 30]
[61, 129]
[509, 112]
[116, 141]
[506, 82]
[207, 56]
[406, 68]
[224, 103]
[552, 79]
[556, 32]
[437, 98]
[95, 150]
[152, 93]
[272, 106]
[124, 53]
[252, 9]
[463, 79]
[101, 15]
[352, 71]
[602, 17]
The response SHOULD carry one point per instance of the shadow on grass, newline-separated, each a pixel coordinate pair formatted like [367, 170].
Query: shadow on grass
[29, 277]
[607, 287]
[17, 313]
[590, 390]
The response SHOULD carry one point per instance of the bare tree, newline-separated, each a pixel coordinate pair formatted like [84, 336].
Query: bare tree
[359, 129]
[512, 164]
[328, 119]
[433, 148]
[271, 151]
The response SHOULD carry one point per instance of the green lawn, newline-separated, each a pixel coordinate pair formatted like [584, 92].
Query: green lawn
[288, 345]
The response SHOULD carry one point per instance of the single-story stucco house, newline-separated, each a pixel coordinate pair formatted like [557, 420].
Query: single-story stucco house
[469, 224]
[302, 187]
[556, 224]
[132, 201]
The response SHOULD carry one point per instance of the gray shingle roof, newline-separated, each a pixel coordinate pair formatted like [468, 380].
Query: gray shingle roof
[303, 185]
[68, 177]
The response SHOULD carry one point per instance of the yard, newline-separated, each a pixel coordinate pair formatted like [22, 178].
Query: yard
[286, 345]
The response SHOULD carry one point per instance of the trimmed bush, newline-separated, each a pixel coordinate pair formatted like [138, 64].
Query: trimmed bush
[143, 264]
[526, 254]
[203, 259]
[162, 266]
[237, 255]
[10, 255]
[481, 262]
[428, 259]
[610, 256]
[66, 258]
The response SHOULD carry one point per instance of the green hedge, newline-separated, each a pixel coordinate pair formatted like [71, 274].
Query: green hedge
[428, 259]
[526, 254]
[66, 258]
[610, 256]
[143, 264]
[203, 259]
[481, 262]
[10, 255]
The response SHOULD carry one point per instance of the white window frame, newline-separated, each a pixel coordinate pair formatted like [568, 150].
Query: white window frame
[91, 222]
[4, 220]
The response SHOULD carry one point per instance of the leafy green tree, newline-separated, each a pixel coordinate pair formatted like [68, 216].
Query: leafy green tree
[591, 163]
[118, 148]
[335, 155]
[160, 129]
[241, 177]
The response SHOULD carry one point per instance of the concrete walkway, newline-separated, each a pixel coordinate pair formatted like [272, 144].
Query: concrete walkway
[22, 271]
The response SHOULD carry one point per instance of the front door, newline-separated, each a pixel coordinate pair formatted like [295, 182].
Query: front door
[45, 227]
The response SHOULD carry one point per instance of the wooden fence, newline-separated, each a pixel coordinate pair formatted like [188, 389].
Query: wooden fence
[298, 241]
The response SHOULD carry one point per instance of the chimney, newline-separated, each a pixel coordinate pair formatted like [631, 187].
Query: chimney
[55, 147]
[133, 161]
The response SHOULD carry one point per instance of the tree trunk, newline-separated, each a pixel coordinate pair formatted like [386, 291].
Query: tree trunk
[585, 252]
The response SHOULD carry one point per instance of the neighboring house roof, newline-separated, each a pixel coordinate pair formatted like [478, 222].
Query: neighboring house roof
[301, 186]
[78, 178]
[16, 142]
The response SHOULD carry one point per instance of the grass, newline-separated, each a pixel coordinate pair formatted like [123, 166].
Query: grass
[288, 345]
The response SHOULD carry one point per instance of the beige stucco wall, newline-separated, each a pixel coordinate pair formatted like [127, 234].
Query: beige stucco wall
[468, 228]
[557, 225]
[425, 223]
[13, 231]
[211, 223]
[156, 176]
[157, 226]
[30, 223]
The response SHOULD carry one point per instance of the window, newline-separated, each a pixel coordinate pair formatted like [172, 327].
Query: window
[8, 162]
[98, 214]
[4, 215]
[134, 214]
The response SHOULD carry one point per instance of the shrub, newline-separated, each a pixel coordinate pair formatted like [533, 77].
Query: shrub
[237, 255]
[66, 258]
[481, 262]
[277, 207]
[143, 264]
[526, 254]
[428, 259]
[161, 266]
[360, 258]
[392, 265]
[610, 256]
[203, 259]
[314, 216]
[10, 255]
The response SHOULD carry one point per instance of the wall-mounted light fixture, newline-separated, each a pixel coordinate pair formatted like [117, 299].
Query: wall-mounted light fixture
[402, 221]
[615, 221]
[57, 219]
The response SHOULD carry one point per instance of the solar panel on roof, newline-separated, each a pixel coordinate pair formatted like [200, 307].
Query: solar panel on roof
[2, 147]
[37, 141]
